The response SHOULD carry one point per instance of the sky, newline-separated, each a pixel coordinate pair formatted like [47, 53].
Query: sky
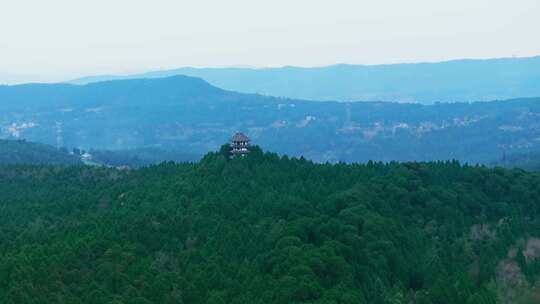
[62, 39]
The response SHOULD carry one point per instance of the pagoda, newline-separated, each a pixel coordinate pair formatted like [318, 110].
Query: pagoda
[239, 145]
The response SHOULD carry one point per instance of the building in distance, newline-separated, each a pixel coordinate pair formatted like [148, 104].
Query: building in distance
[239, 145]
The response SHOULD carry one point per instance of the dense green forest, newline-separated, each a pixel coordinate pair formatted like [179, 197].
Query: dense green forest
[140, 157]
[22, 152]
[269, 229]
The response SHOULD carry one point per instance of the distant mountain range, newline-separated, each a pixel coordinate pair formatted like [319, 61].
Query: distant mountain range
[187, 114]
[426, 83]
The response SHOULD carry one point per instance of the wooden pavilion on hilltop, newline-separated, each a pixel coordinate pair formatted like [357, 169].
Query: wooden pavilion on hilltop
[239, 145]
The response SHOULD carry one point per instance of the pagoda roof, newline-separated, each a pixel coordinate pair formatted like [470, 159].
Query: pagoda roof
[239, 137]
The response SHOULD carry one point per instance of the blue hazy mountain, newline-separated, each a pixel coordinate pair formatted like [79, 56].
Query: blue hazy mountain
[450, 81]
[188, 114]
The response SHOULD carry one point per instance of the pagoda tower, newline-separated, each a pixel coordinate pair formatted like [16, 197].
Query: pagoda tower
[239, 145]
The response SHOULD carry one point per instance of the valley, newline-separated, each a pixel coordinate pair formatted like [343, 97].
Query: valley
[189, 115]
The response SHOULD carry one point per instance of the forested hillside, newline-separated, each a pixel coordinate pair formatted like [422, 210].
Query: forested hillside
[192, 117]
[427, 83]
[135, 158]
[265, 229]
[22, 152]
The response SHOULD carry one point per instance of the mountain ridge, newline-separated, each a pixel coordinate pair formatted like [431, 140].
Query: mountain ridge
[189, 115]
[426, 82]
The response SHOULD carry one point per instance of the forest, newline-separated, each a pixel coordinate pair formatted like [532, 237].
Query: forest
[269, 229]
[135, 158]
[13, 152]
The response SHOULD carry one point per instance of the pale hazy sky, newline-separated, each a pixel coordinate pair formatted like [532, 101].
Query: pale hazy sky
[59, 39]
